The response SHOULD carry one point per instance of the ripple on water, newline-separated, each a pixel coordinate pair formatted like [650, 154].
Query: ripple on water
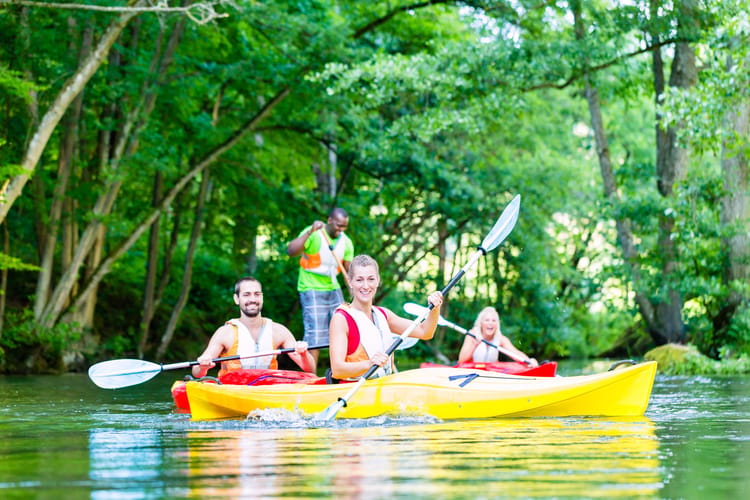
[279, 418]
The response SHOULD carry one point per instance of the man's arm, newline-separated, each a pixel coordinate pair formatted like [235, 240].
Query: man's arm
[283, 339]
[220, 342]
[297, 245]
[348, 253]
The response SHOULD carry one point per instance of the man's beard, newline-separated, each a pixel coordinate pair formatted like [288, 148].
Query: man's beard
[251, 313]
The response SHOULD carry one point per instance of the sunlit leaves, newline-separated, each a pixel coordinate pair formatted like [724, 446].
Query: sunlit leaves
[724, 82]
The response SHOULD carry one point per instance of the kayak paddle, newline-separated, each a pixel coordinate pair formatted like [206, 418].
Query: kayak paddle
[338, 261]
[407, 343]
[118, 373]
[502, 228]
[416, 310]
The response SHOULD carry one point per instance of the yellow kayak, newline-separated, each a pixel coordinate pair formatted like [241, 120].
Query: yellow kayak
[444, 393]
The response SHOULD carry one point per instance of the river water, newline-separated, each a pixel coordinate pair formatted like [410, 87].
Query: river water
[63, 437]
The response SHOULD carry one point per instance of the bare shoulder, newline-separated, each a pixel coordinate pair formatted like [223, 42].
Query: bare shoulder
[388, 313]
[504, 341]
[338, 323]
[278, 327]
[281, 334]
[224, 335]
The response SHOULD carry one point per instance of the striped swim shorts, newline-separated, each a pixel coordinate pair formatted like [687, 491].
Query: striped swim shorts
[317, 311]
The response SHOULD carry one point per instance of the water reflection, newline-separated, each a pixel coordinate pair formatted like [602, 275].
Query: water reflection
[703, 432]
[127, 463]
[238, 464]
[506, 458]
[62, 437]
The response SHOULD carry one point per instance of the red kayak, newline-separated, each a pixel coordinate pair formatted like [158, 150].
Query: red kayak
[248, 377]
[548, 369]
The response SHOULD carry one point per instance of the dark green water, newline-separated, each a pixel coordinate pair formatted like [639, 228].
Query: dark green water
[63, 437]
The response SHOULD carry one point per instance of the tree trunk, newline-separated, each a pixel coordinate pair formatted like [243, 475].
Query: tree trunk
[245, 244]
[125, 145]
[735, 207]
[24, 61]
[188, 272]
[64, 169]
[84, 315]
[64, 289]
[671, 168]
[159, 64]
[33, 106]
[174, 240]
[4, 277]
[611, 194]
[65, 97]
[145, 223]
[332, 170]
[735, 204]
[166, 269]
[152, 264]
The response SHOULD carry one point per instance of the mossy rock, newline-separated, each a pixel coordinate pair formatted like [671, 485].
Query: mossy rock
[678, 359]
[669, 354]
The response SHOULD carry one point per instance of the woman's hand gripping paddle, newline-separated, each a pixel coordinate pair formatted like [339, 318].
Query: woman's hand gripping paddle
[502, 228]
[416, 310]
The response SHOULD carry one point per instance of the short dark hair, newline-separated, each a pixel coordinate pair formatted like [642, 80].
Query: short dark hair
[338, 212]
[239, 282]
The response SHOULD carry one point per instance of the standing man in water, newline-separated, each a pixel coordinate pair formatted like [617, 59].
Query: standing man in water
[323, 250]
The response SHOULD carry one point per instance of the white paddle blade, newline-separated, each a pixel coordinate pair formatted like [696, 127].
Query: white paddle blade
[416, 310]
[122, 372]
[406, 343]
[329, 413]
[503, 226]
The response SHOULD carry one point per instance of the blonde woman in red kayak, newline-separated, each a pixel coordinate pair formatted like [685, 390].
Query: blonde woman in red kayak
[361, 332]
[487, 327]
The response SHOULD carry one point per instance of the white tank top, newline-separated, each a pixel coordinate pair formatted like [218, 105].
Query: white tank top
[486, 354]
[246, 345]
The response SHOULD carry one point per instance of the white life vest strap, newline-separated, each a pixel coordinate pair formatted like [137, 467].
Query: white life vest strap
[374, 336]
[246, 345]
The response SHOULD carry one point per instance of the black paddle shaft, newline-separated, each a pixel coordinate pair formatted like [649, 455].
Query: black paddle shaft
[280, 351]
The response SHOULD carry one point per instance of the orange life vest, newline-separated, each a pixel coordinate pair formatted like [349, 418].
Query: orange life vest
[247, 346]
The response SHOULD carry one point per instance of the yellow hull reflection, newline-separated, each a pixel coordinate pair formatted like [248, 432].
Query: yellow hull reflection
[525, 458]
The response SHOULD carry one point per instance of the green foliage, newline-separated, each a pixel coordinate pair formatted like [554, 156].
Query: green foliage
[737, 338]
[10, 262]
[7, 171]
[28, 347]
[12, 83]
[701, 110]
[118, 346]
[437, 116]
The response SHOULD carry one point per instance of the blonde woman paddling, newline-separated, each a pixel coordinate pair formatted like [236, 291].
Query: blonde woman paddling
[487, 327]
[361, 332]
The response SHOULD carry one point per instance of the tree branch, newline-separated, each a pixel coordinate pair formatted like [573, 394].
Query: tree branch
[200, 13]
